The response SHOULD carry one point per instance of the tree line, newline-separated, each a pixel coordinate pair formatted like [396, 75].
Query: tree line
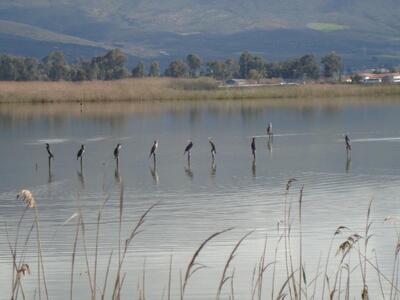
[112, 66]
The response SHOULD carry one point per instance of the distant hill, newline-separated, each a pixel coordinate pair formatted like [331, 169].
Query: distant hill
[365, 32]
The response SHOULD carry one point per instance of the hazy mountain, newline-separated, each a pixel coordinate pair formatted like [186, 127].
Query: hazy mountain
[364, 32]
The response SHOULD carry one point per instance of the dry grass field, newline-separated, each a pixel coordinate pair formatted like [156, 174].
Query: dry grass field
[150, 89]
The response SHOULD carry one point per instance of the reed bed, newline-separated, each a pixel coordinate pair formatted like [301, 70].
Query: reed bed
[352, 260]
[153, 89]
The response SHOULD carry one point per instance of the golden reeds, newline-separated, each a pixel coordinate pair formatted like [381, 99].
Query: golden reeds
[290, 288]
[148, 89]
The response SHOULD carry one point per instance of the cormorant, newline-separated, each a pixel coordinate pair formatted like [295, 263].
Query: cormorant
[49, 152]
[153, 149]
[347, 140]
[213, 149]
[188, 148]
[80, 152]
[116, 151]
[253, 147]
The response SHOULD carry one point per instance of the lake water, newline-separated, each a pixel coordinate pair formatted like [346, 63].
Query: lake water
[194, 203]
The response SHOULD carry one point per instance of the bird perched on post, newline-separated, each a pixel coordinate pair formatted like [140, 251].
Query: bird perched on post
[153, 149]
[213, 149]
[347, 140]
[49, 152]
[80, 152]
[117, 150]
[188, 148]
[253, 147]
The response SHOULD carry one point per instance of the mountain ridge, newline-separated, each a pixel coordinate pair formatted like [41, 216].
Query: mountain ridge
[165, 30]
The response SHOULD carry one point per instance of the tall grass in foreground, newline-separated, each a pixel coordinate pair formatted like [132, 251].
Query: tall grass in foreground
[299, 283]
[151, 89]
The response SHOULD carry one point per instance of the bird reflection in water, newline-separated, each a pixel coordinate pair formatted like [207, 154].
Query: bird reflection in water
[253, 168]
[188, 171]
[269, 146]
[154, 173]
[50, 173]
[81, 176]
[213, 169]
[117, 175]
[348, 164]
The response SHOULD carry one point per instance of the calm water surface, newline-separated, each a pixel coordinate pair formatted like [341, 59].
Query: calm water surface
[196, 202]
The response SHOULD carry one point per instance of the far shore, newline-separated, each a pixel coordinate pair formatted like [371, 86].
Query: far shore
[159, 89]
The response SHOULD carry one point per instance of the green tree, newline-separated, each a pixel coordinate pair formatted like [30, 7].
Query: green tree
[138, 70]
[248, 62]
[55, 67]
[244, 64]
[231, 68]
[30, 69]
[332, 64]
[154, 70]
[177, 68]
[194, 63]
[216, 69]
[308, 67]
[8, 70]
[113, 64]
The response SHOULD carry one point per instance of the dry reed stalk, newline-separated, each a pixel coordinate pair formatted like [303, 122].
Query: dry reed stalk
[301, 269]
[71, 287]
[224, 278]
[275, 256]
[136, 230]
[285, 228]
[259, 279]
[191, 268]
[83, 235]
[180, 285]
[315, 280]
[363, 267]
[261, 269]
[27, 197]
[232, 296]
[97, 246]
[345, 249]
[143, 296]
[14, 253]
[289, 239]
[281, 295]
[169, 278]
[106, 277]
[18, 283]
[379, 276]
[337, 231]
[121, 210]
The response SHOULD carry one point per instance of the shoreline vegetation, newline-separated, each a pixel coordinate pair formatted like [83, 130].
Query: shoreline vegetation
[348, 259]
[167, 89]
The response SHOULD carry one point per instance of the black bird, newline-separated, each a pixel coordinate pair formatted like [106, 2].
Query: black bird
[269, 129]
[153, 149]
[188, 148]
[49, 152]
[347, 140]
[213, 149]
[253, 147]
[80, 152]
[116, 151]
